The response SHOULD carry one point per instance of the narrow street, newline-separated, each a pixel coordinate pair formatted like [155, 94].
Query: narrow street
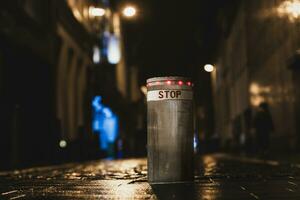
[217, 176]
[150, 99]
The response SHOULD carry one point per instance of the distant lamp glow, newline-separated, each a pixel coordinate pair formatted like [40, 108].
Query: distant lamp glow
[62, 144]
[114, 50]
[77, 14]
[290, 8]
[144, 90]
[96, 55]
[254, 89]
[195, 143]
[129, 11]
[209, 68]
[96, 12]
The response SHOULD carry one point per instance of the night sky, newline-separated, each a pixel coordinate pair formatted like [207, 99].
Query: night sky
[175, 37]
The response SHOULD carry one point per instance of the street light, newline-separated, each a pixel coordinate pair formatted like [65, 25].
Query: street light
[96, 12]
[62, 144]
[129, 11]
[209, 68]
[96, 55]
[114, 50]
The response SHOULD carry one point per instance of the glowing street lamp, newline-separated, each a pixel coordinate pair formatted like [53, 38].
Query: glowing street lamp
[114, 50]
[209, 68]
[129, 11]
[96, 12]
[96, 55]
[62, 144]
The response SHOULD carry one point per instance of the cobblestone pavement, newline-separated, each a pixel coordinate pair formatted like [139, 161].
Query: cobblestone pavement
[217, 176]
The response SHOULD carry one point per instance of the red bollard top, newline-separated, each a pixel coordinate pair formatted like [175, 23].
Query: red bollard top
[169, 81]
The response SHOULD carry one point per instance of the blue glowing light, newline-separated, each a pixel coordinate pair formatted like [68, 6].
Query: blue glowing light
[105, 123]
[97, 103]
[110, 125]
[107, 112]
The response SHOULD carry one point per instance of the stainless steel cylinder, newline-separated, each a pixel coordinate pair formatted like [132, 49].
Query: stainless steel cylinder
[170, 130]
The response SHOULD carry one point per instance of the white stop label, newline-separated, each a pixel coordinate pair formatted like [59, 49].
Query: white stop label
[158, 95]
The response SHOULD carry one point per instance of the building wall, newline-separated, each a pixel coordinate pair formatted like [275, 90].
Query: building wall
[231, 94]
[253, 67]
[44, 54]
[273, 43]
[70, 84]
[121, 71]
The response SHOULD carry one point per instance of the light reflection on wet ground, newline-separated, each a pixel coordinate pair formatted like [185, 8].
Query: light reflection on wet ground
[216, 177]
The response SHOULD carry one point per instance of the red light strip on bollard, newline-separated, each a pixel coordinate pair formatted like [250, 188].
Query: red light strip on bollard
[168, 82]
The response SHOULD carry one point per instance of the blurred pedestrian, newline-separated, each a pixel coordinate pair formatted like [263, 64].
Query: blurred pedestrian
[263, 125]
[249, 131]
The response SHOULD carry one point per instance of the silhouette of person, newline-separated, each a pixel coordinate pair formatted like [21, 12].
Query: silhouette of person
[263, 125]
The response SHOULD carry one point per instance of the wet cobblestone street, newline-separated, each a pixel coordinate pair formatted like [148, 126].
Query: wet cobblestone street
[217, 176]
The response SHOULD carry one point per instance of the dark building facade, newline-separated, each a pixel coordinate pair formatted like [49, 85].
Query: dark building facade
[45, 63]
[49, 75]
[258, 62]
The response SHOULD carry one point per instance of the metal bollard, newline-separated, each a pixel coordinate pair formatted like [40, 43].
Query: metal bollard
[170, 130]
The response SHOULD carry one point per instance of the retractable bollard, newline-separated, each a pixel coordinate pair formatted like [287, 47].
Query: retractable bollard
[170, 130]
